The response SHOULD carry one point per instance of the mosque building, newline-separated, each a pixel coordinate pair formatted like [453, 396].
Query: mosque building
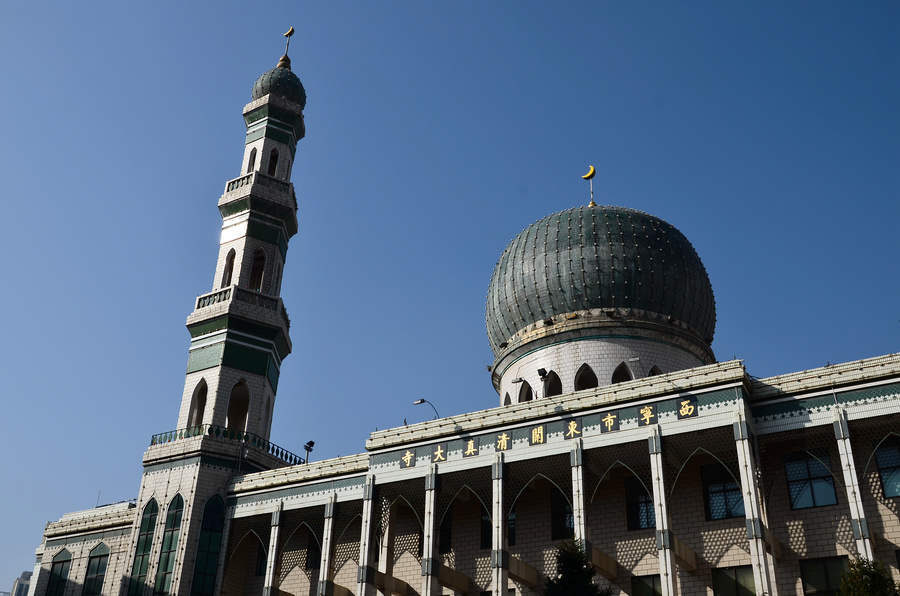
[615, 426]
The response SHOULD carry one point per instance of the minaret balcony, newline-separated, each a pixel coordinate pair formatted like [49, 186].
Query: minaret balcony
[257, 191]
[258, 178]
[210, 438]
[233, 300]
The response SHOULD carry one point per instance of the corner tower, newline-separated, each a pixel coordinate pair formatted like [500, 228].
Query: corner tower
[239, 339]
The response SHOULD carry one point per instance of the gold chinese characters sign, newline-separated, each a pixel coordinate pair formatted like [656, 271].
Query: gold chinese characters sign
[572, 428]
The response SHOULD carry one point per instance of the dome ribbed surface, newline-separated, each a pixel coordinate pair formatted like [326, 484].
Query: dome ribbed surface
[281, 82]
[598, 257]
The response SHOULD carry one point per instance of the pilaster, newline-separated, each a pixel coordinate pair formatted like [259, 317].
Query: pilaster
[499, 554]
[664, 537]
[762, 560]
[851, 483]
[365, 577]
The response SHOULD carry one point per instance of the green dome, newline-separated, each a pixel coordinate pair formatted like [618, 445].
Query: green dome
[599, 258]
[282, 82]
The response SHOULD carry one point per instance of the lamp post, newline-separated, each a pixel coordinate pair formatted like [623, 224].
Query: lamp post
[419, 402]
[309, 447]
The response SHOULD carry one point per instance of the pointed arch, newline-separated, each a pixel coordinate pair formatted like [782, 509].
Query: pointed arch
[525, 392]
[251, 163]
[311, 547]
[621, 374]
[168, 553]
[198, 404]
[144, 546]
[238, 407]
[257, 270]
[59, 573]
[228, 270]
[585, 378]
[506, 400]
[243, 562]
[98, 560]
[552, 385]
[350, 523]
[695, 452]
[208, 547]
[273, 162]
[654, 370]
[529, 483]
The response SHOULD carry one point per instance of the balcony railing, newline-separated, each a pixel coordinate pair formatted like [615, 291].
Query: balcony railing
[226, 434]
[257, 178]
[213, 298]
[246, 296]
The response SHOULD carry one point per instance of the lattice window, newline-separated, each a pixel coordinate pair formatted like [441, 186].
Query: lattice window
[809, 479]
[722, 497]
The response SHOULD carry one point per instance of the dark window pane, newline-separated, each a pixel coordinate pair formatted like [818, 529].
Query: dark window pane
[638, 505]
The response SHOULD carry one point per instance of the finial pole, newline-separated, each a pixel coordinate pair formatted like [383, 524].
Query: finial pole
[590, 177]
[288, 44]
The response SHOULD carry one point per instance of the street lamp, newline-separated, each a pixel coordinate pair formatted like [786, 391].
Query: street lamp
[308, 447]
[419, 402]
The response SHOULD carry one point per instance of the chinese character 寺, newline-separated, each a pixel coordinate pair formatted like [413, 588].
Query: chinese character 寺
[470, 448]
[687, 408]
[502, 442]
[439, 454]
[609, 421]
[537, 435]
[573, 429]
[647, 414]
[407, 457]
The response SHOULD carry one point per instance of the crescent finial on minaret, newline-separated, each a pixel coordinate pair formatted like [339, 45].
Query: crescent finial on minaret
[285, 62]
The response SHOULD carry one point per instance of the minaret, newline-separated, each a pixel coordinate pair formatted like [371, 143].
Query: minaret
[239, 338]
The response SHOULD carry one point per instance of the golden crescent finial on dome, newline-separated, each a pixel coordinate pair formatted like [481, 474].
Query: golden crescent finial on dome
[590, 176]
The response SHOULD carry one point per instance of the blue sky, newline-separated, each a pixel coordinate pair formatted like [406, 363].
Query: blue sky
[767, 132]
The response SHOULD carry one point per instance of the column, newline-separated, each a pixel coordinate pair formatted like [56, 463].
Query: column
[578, 508]
[326, 574]
[664, 538]
[430, 565]
[365, 577]
[763, 561]
[499, 554]
[851, 483]
[272, 556]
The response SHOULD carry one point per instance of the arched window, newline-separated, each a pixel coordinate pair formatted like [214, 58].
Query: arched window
[506, 400]
[525, 393]
[257, 270]
[552, 385]
[198, 405]
[654, 371]
[228, 270]
[238, 406]
[59, 573]
[96, 570]
[251, 163]
[621, 374]
[142, 552]
[208, 548]
[585, 378]
[169, 547]
[273, 162]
